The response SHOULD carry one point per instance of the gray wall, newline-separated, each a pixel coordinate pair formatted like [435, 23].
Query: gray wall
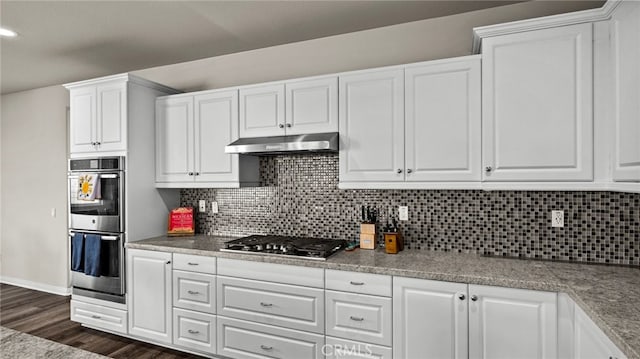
[33, 244]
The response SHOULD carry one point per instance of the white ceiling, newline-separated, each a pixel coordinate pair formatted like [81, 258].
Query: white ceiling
[65, 41]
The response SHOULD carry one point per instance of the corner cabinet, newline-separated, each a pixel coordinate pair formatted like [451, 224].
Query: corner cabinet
[414, 124]
[191, 133]
[537, 105]
[149, 295]
[293, 107]
[625, 53]
[100, 111]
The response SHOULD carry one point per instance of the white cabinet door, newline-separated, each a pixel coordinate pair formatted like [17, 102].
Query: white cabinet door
[443, 121]
[149, 289]
[111, 121]
[537, 105]
[590, 342]
[215, 126]
[430, 319]
[174, 139]
[512, 323]
[82, 122]
[311, 106]
[625, 46]
[371, 113]
[262, 111]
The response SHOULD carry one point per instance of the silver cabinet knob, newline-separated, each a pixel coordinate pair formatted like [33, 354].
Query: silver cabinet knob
[168, 262]
[264, 347]
[488, 169]
[399, 170]
[281, 125]
[474, 297]
[356, 319]
[288, 125]
[266, 304]
[191, 331]
[190, 173]
[409, 170]
[461, 296]
[356, 283]
[197, 173]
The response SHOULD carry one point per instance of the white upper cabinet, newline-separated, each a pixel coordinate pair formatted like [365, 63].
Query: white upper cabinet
[625, 49]
[191, 133]
[174, 139]
[443, 121]
[98, 117]
[512, 323]
[537, 105]
[372, 126]
[311, 106]
[262, 111]
[291, 108]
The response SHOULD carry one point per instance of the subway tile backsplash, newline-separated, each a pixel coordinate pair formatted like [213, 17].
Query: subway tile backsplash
[300, 196]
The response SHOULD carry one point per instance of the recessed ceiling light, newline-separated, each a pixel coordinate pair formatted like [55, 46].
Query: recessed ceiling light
[7, 32]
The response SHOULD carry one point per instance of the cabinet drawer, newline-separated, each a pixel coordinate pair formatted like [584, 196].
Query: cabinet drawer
[359, 317]
[346, 349]
[271, 303]
[281, 273]
[194, 330]
[99, 316]
[194, 291]
[240, 339]
[364, 283]
[191, 263]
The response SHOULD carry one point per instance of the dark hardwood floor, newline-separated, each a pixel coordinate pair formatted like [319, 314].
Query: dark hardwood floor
[47, 316]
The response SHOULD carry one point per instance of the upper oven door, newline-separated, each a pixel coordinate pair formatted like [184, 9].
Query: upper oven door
[103, 214]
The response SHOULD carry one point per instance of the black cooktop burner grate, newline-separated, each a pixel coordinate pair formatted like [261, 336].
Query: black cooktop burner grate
[314, 248]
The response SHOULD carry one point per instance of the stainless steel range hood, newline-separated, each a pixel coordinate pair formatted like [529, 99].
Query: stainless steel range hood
[317, 142]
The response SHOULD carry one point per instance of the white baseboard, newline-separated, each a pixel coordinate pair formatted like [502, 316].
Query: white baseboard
[36, 286]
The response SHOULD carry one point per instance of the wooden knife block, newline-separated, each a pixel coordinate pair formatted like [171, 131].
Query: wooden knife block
[393, 242]
[368, 236]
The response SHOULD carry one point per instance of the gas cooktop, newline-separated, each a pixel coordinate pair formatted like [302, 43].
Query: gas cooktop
[299, 247]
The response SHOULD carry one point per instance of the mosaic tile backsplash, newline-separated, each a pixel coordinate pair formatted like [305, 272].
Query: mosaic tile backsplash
[299, 196]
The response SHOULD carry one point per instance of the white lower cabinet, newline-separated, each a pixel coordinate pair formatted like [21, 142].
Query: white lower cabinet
[242, 339]
[359, 317]
[337, 348]
[99, 316]
[430, 319]
[194, 330]
[195, 291]
[149, 288]
[512, 323]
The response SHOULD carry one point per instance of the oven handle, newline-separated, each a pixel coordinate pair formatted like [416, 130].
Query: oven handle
[104, 238]
[106, 175]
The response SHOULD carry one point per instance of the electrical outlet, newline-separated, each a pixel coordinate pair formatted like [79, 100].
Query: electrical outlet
[557, 218]
[214, 207]
[202, 205]
[403, 213]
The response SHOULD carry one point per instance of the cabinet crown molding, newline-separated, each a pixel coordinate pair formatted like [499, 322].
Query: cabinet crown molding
[572, 18]
[127, 77]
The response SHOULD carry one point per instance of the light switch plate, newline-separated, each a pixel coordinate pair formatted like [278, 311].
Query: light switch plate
[214, 207]
[202, 205]
[403, 213]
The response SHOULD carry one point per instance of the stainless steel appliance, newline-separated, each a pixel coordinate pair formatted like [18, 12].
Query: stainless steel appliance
[299, 247]
[103, 216]
[315, 142]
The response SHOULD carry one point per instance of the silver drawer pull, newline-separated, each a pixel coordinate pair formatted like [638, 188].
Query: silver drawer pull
[357, 319]
[264, 347]
[356, 283]
[192, 264]
[192, 292]
[266, 304]
[96, 317]
[193, 331]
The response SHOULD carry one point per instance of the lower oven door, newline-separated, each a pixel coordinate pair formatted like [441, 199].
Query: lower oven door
[111, 279]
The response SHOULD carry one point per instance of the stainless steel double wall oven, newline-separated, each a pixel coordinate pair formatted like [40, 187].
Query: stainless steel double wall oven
[103, 216]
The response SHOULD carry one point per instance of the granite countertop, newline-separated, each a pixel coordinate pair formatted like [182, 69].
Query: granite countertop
[610, 295]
